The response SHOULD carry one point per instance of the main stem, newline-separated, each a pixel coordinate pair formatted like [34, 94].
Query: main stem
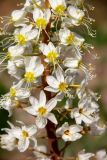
[50, 127]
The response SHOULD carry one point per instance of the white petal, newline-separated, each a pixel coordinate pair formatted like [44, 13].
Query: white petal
[42, 98]
[32, 130]
[33, 101]
[52, 118]
[31, 110]
[41, 122]
[59, 75]
[23, 145]
[32, 34]
[39, 70]
[50, 89]
[17, 15]
[52, 82]
[51, 104]
[16, 50]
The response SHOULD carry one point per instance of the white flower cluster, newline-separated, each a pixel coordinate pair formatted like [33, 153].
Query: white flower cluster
[45, 54]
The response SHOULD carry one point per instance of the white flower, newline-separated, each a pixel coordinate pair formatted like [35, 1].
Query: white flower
[41, 152]
[72, 63]
[29, 4]
[21, 136]
[14, 68]
[50, 52]
[69, 133]
[24, 135]
[41, 18]
[58, 6]
[84, 156]
[41, 110]
[19, 93]
[76, 15]
[33, 69]
[8, 142]
[25, 34]
[97, 128]
[15, 51]
[8, 104]
[84, 113]
[18, 14]
[18, 17]
[70, 38]
[101, 155]
[58, 84]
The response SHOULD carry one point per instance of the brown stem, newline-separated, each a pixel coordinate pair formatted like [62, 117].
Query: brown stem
[50, 127]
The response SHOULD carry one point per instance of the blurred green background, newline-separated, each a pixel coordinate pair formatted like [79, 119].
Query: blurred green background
[99, 84]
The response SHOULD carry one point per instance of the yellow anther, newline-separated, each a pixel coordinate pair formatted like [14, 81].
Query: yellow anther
[60, 9]
[29, 77]
[25, 134]
[21, 39]
[52, 56]
[70, 39]
[42, 111]
[41, 23]
[63, 87]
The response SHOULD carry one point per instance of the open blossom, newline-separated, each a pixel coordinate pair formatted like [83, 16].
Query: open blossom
[18, 93]
[18, 17]
[8, 142]
[14, 70]
[69, 133]
[84, 156]
[76, 15]
[85, 112]
[101, 155]
[19, 137]
[70, 38]
[42, 110]
[57, 84]
[44, 51]
[41, 18]
[25, 34]
[50, 51]
[33, 69]
[58, 7]
[15, 51]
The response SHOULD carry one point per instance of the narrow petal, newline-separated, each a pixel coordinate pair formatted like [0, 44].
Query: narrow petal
[51, 104]
[33, 101]
[31, 110]
[52, 118]
[42, 98]
[59, 75]
[52, 81]
[41, 122]
[23, 145]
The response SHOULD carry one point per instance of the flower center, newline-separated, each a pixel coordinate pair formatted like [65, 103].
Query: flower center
[25, 134]
[29, 77]
[52, 56]
[63, 87]
[67, 132]
[12, 92]
[42, 111]
[70, 39]
[81, 111]
[41, 23]
[21, 39]
[60, 9]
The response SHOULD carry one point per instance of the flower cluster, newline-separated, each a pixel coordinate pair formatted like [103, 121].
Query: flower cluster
[44, 54]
